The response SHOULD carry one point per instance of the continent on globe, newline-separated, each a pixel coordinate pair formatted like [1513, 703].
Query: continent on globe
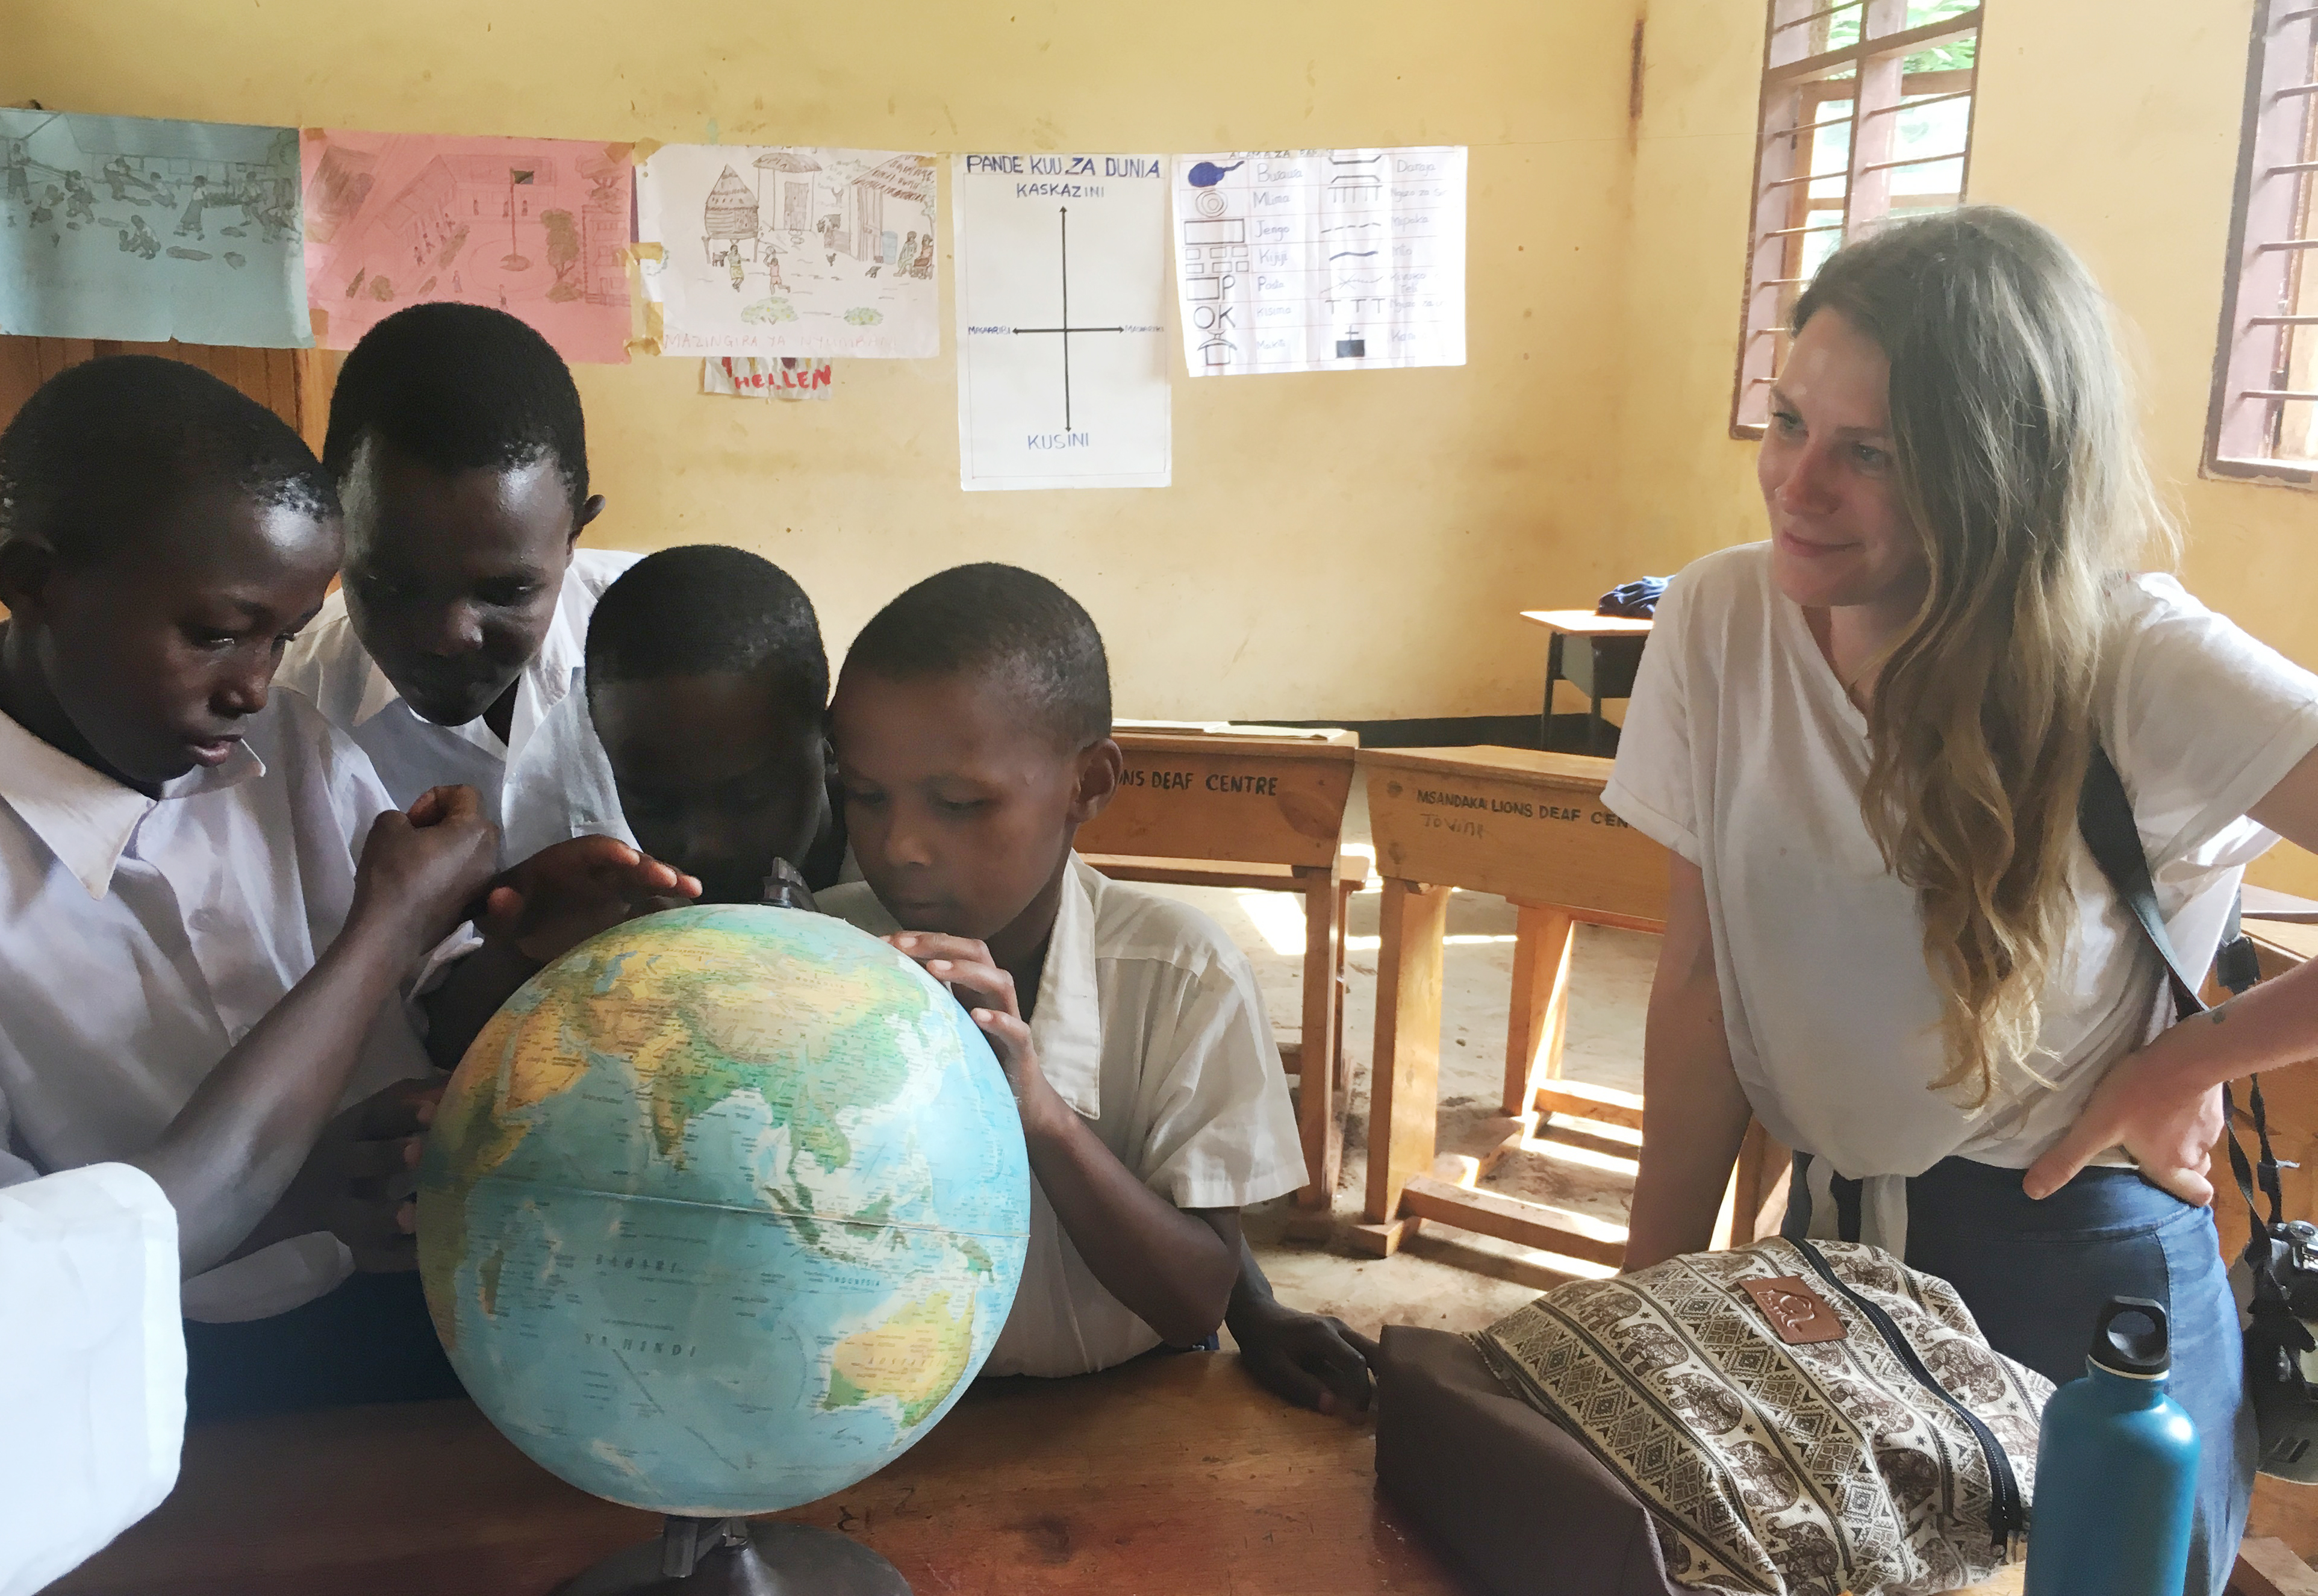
[914, 1359]
[722, 1210]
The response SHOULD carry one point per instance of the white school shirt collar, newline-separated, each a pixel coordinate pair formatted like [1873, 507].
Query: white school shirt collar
[84, 816]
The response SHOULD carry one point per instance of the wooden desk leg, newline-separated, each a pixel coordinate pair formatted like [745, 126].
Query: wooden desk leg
[1758, 1177]
[1552, 675]
[1540, 1020]
[1404, 1081]
[1345, 891]
[1319, 1109]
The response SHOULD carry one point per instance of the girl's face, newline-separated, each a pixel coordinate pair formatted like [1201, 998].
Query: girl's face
[1838, 536]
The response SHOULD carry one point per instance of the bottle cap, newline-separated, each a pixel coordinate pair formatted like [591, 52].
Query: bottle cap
[2130, 1338]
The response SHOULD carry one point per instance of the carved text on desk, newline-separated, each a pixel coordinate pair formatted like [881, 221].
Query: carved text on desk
[1182, 781]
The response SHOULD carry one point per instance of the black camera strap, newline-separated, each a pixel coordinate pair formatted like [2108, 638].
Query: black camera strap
[2104, 819]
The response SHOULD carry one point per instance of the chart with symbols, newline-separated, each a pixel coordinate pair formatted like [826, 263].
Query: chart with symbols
[1321, 260]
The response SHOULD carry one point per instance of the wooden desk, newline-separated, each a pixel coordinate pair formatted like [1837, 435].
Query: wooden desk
[1531, 827]
[1218, 807]
[1170, 1476]
[1596, 654]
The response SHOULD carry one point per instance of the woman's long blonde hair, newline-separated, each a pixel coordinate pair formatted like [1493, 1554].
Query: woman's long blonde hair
[2019, 465]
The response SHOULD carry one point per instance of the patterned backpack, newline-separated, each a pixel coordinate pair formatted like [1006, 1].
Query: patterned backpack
[1799, 1417]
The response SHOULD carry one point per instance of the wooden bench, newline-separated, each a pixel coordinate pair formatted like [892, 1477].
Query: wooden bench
[1264, 809]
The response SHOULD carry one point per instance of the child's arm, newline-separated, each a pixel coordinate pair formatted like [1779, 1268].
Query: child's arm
[243, 1136]
[535, 912]
[1314, 1360]
[1168, 1268]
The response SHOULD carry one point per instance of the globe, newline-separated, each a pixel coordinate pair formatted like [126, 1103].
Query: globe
[722, 1210]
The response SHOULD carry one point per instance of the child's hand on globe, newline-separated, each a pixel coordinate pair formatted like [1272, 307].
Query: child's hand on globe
[564, 894]
[965, 967]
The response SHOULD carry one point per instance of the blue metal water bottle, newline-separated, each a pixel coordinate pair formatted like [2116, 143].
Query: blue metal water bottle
[2116, 1469]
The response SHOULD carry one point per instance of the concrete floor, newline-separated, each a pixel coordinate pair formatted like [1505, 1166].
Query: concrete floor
[1448, 1279]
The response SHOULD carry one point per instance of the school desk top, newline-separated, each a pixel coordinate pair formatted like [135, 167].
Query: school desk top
[1586, 623]
[1169, 1476]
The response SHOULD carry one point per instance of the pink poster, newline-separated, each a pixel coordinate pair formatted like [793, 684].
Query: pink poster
[533, 226]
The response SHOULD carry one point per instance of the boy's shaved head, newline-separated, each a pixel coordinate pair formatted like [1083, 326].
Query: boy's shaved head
[1005, 623]
[458, 387]
[708, 687]
[103, 445]
[705, 609]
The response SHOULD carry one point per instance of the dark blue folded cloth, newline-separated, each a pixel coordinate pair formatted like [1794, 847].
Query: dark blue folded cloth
[1637, 600]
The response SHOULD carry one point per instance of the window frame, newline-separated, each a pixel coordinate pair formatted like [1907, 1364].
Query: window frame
[2265, 217]
[1786, 126]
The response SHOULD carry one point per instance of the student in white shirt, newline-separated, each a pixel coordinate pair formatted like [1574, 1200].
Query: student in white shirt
[461, 454]
[972, 735]
[1863, 743]
[197, 883]
[701, 735]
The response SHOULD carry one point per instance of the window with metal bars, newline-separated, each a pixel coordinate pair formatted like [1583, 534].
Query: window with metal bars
[2263, 421]
[1866, 113]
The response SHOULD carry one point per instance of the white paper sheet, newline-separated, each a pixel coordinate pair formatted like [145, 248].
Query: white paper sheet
[1321, 260]
[789, 251]
[1062, 320]
[770, 377]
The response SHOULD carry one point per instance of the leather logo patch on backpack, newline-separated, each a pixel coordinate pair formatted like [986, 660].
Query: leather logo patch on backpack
[1796, 1313]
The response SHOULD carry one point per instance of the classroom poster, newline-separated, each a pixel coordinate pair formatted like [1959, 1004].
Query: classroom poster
[121, 227]
[535, 226]
[758, 376]
[807, 252]
[1062, 320]
[1321, 260]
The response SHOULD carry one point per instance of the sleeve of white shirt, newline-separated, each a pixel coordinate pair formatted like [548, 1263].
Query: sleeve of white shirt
[2202, 722]
[91, 1366]
[1222, 1131]
[561, 786]
[1653, 785]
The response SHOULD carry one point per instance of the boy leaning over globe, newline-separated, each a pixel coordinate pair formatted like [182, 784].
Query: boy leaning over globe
[972, 724]
[701, 735]
[212, 908]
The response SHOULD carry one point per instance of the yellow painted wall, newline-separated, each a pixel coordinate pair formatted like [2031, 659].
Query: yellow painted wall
[2114, 121]
[1333, 545]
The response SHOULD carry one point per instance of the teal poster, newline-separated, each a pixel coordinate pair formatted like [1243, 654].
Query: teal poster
[119, 226]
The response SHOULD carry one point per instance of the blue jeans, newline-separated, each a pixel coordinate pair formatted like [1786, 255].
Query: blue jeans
[2036, 1274]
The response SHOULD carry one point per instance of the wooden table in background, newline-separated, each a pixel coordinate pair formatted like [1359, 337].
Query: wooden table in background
[1170, 1476]
[1596, 654]
[1530, 826]
[1260, 808]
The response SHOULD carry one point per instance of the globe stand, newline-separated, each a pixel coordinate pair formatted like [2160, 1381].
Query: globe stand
[741, 1558]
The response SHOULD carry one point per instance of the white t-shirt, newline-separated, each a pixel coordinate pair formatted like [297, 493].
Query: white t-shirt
[142, 938]
[329, 666]
[1151, 1027]
[1742, 753]
[91, 1366]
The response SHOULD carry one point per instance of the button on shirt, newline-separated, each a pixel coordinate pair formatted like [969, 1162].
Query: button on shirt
[329, 666]
[142, 938]
[1742, 753]
[91, 1366]
[1150, 1025]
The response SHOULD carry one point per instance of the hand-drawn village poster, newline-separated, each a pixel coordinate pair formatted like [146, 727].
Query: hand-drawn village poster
[1321, 260]
[119, 226]
[536, 227]
[747, 250]
[1062, 320]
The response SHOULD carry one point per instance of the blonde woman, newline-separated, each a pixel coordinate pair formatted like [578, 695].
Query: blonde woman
[1863, 740]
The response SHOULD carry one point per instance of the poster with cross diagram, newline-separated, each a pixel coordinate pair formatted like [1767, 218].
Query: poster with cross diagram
[1321, 260]
[1062, 320]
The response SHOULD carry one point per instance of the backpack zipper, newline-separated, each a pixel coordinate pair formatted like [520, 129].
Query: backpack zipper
[2008, 1515]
